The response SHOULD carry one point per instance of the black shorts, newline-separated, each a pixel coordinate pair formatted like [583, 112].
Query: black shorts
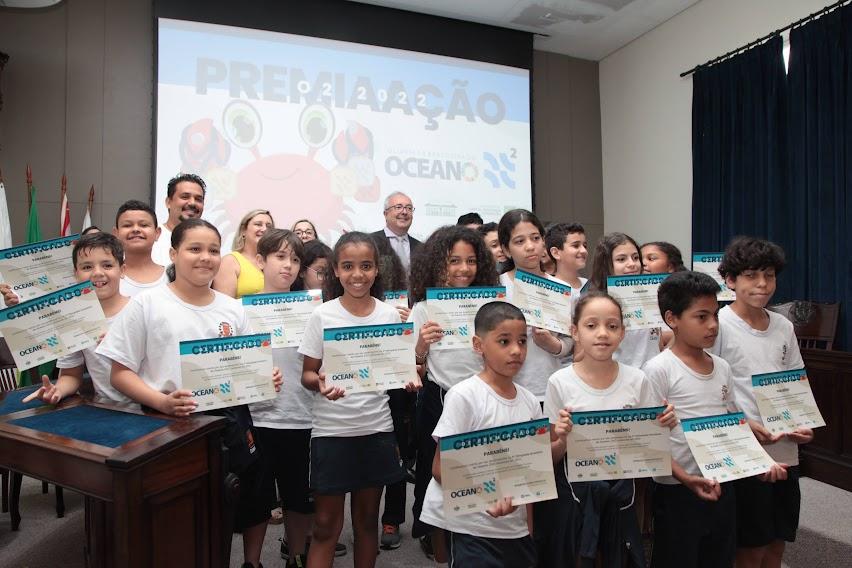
[692, 533]
[255, 500]
[465, 550]
[288, 458]
[345, 464]
[767, 512]
[430, 405]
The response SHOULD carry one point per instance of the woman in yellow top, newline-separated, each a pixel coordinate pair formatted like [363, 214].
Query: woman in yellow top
[239, 274]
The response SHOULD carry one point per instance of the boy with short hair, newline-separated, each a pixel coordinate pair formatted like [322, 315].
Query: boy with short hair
[97, 257]
[694, 517]
[501, 536]
[136, 228]
[567, 245]
[754, 341]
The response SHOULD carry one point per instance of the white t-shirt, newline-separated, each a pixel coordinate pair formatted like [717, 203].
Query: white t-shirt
[356, 414]
[638, 346]
[130, 287]
[752, 352]
[473, 405]
[99, 367]
[160, 251]
[693, 395]
[446, 367]
[291, 409]
[145, 337]
[539, 364]
[565, 388]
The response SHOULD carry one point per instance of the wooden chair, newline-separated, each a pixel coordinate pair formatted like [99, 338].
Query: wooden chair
[815, 322]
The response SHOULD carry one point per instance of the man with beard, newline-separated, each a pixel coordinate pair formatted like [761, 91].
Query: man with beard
[184, 200]
[399, 214]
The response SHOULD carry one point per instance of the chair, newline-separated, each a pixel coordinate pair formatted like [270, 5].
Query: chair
[815, 322]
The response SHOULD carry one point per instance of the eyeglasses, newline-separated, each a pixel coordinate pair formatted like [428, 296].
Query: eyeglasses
[321, 274]
[304, 232]
[399, 207]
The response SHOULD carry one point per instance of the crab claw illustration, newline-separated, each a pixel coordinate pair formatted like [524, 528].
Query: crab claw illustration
[202, 147]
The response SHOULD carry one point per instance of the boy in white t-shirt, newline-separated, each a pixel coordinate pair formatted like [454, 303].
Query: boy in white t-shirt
[567, 245]
[97, 257]
[755, 341]
[500, 536]
[694, 517]
[136, 228]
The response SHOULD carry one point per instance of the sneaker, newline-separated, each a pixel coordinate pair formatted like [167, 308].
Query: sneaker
[299, 561]
[390, 537]
[426, 547]
[276, 516]
[339, 549]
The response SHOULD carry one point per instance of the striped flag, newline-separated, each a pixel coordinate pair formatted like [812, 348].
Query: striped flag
[5, 224]
[64, 210]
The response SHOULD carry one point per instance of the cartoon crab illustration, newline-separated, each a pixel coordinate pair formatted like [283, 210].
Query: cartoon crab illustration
[281, 182]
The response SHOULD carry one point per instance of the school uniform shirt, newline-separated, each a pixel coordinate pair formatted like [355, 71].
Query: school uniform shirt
[448, 367]
[565, 388]
[356, 414]
[752, 352]
[145, 336]
[473, 405]
[292, 407]
[99, 367]
[539, 364]
[638, 346]
[129, 287]
[693, 395]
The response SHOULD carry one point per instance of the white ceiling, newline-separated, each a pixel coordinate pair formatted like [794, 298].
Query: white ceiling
[589, 29]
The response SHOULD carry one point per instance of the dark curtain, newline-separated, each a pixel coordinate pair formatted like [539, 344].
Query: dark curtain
[820, 104]
[740, 177]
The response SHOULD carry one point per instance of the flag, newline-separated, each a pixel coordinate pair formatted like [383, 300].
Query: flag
[5, 224]
[33, 224]
[87, 220]
[64, 210]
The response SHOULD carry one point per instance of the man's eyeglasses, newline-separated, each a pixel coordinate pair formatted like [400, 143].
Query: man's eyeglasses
[399, 207]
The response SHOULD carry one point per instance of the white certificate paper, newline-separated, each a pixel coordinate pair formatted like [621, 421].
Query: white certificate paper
[546, 303]
[396, 298]
[725, 447]
[638, 297]
[283, 315]
[55, 324]
[369, 358]
[38, 268]
[708, 263]
[454, 309]
[618, 444]
[785, 401]
[227, 371]
[478, 468]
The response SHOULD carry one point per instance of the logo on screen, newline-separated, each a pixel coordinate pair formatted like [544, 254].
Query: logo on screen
[500, 168]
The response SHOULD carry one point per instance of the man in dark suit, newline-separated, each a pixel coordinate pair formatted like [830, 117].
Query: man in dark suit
[399, 214]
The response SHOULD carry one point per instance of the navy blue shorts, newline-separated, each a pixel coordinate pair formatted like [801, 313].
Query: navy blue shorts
[767, 512]
[288, 464]
[464, 550]
[342, 465]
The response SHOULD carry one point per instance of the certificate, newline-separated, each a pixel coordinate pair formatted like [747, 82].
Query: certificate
[38, 268]
[227, 371]
[55, 324]
[618, 444]
[545, 302]
[638, 298]
[282, 315]
[725, 447]
[369, 358]
[454, 310]
[708, 263]
[785, 401]
[397, 298]
[479, 468]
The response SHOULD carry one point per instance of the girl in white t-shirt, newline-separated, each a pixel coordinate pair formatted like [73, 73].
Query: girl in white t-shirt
[521, 235]
[353, 447]
[144, 345]
[617, 254]
[596, 383]
[453, 257]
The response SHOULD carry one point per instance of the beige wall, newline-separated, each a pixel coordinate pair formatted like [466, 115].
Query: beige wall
[78, 94]
[646, 111]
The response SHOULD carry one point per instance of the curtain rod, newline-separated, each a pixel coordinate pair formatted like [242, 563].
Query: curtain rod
[813, 16]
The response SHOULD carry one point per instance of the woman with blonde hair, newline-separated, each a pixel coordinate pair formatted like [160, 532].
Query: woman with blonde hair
[240, 274]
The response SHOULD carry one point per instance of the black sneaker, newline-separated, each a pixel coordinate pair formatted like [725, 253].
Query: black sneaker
[390, 537]
[339, 549]
[426, 547]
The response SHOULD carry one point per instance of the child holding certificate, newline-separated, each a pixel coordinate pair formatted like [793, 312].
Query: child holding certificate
[567, 246]
[454, 257]
[136, 228]
[694, 517]
[500, 536]
[353, 447]
[755, 341]
[617, 254]
[97, 257]
[522, 238]
[143, 343]
[581, 525]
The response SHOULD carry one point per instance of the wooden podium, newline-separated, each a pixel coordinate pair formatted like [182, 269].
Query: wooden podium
[154, 499]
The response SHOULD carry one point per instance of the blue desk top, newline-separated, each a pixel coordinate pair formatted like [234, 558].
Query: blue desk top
[13, 401]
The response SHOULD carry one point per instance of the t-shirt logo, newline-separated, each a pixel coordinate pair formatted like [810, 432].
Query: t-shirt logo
[225, 329]
[784, 353]
[655, 334]
[724, 393]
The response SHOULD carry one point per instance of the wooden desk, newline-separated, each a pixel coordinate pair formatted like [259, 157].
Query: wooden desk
[155, 500]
